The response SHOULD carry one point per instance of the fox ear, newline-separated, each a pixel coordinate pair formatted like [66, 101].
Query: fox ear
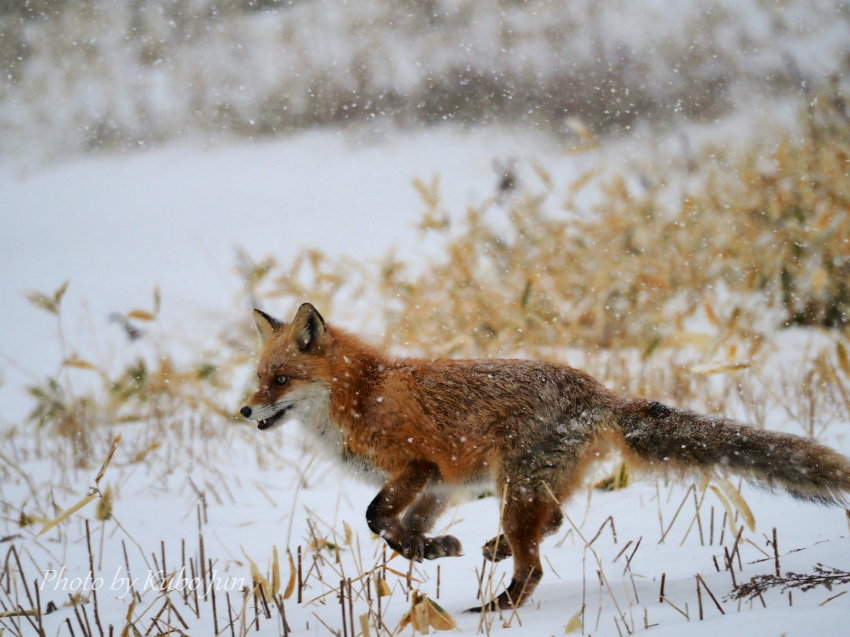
[308, 327]
[266, 325]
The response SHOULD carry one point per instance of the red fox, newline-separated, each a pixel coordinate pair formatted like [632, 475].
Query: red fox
[423, 428]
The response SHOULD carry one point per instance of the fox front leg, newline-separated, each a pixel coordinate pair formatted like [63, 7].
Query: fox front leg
[423, 513]
[406, 492]
[421, 516]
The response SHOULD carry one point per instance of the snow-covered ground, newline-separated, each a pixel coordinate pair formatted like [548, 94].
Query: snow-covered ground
[263, 490]
[118, 226]
[252, 509]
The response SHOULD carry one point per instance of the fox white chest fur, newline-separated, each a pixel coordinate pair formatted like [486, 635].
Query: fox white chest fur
[312, 411]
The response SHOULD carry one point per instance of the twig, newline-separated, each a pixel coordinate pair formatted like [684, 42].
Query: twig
[700, 580]
[91, 555]
[822, 576]
[776, 553]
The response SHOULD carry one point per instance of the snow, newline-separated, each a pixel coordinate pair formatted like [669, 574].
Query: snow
[117, 226]
[265, 506]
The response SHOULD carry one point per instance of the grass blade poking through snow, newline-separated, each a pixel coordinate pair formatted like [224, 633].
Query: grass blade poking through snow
[92, 495]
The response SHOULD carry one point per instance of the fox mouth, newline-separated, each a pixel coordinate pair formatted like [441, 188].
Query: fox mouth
[264, 424]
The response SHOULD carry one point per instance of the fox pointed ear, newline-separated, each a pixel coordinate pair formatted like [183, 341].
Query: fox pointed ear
[266, 325]
[308, 327]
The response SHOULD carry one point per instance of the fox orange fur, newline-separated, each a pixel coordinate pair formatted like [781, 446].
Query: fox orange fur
[425, 427]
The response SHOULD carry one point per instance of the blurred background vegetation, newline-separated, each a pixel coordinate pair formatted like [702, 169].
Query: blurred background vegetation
[131, 73]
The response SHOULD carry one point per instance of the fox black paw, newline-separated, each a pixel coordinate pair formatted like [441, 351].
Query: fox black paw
[497, 549]
[443, 546]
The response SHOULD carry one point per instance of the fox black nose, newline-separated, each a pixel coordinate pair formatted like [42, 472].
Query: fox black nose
[245, 411]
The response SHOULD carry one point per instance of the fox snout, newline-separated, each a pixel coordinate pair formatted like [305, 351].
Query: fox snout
[266, 415]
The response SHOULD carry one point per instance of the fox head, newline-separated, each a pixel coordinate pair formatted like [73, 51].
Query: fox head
[292, 364]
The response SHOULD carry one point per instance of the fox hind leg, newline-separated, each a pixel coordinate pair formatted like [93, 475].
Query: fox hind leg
[498, 548]
[535, 486]
[526, 517]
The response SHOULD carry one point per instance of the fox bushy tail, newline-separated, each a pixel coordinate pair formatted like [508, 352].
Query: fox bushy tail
[686, 442]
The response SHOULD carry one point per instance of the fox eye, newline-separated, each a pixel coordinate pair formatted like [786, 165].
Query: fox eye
[281, 380]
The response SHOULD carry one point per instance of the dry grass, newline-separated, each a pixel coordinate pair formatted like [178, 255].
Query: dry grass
[766, 229]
